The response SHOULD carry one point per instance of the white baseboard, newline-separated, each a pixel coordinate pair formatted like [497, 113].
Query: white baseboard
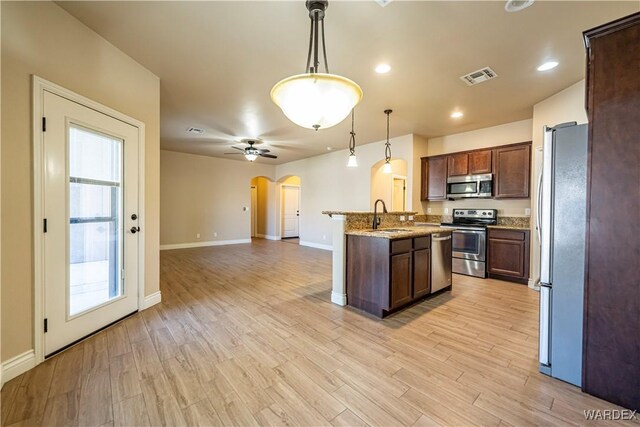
[268, 237]
[18, 365]
[340, 299]
[316, 245]
[151, 300]
[532, 284]
[202, 244]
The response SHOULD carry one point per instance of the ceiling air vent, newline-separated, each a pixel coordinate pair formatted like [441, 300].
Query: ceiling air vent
[479, 76]
[383, 3]
[197, 131]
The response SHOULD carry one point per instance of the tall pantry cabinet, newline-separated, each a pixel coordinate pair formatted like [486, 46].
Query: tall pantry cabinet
[611, 346]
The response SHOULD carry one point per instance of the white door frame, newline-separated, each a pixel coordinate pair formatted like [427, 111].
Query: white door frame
[404, 178]
[40, 86]
[254, 210]
[282, 201]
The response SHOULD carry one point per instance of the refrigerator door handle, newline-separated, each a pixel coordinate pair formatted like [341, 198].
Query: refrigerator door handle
[545, 324]
[546, 206]
[539, 207]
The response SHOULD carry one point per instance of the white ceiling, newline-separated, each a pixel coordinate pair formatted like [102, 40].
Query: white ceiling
[217, 62]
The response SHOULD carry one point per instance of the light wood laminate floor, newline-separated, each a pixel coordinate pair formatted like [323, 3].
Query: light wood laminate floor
[246, 335]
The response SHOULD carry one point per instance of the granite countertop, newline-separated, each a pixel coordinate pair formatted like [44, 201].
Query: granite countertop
[406, 233]
[367, 213]
[509, 227]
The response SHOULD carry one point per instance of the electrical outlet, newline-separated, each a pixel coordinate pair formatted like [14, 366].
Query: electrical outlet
[401, 217]
[446, 210]
[410, 217]
[527, 211]
[428, 210]
[215, 234]
[197, 235]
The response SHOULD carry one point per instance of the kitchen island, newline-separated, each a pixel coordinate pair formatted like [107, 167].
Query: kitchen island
[388, 269]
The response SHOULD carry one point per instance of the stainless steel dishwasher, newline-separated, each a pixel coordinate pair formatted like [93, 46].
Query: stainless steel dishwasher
[440, 260]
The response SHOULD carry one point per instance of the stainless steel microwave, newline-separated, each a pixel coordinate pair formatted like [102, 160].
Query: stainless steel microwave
[459, 187]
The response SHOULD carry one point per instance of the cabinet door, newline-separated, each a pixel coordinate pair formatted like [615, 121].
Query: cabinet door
[512, 166]
[480, 162]
[436, 178]
[458, 164]
[400, 280]
[506, 257]
[421, 273]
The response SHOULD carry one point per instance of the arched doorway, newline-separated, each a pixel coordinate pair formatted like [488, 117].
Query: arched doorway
[390, 187]
[263, 208]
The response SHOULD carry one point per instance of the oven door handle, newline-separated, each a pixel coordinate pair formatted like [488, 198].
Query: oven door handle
[468, 231]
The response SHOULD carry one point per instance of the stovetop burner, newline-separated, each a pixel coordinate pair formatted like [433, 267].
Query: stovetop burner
[473, 217]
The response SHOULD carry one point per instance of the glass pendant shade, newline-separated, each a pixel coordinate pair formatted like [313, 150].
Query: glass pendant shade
[251, 157]
[353, 162]
[387, 168]
[316, 100]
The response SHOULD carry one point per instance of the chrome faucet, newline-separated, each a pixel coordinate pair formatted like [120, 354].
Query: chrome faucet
[376, 220]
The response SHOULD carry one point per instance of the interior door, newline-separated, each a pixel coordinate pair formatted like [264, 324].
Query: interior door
[90, 200]
[290, 211]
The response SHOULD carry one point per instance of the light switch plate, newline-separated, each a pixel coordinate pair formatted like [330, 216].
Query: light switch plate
[402, 217]
[428, 210]
[446, 210]
[410, 217]
[527, 211]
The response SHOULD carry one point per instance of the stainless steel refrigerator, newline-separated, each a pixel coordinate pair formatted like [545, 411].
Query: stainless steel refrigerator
[561, 224]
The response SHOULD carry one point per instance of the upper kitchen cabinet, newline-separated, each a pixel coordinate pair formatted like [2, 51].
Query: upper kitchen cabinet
[470, 163]
[511, 168]
[434, 178]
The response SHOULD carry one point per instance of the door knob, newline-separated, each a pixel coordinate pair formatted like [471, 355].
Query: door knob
[134, 230]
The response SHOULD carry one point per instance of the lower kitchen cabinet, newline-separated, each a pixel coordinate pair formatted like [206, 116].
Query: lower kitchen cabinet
[508, 254]
[384, 275]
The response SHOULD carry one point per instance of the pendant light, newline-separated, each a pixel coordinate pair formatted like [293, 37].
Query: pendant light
[316, 100]
[387, 148]
[353, 162]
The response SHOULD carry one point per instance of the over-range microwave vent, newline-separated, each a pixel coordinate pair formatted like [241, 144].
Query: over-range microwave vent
[479, 76]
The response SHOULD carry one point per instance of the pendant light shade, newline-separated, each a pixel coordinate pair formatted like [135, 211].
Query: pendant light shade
[353, 162]
[387, 168]
[316, 100]
[251, 157]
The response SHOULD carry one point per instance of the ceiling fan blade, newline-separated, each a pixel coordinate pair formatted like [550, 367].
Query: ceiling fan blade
[241, 149]
[235, 153]
[263, 150]
[269, 156]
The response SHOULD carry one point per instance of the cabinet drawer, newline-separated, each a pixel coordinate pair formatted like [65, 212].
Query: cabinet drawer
[401, 246]
[422, 243]
[496, 233]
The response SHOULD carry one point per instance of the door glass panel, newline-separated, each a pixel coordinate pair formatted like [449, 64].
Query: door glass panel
[463, 188]
[95, 218]
[467, 243]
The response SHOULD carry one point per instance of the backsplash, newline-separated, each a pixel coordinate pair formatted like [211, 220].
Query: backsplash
[510, 221]
[364, 221]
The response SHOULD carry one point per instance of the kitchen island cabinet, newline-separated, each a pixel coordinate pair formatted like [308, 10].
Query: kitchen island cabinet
[386, 274]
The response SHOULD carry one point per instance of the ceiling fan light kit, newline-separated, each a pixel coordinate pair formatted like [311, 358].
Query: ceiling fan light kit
[387, 147]
[251, 153]
[315, 100]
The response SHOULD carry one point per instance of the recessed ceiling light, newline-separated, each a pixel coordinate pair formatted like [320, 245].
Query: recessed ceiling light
[456, 114]
[383, 68]
[548, 66]
[517, 5]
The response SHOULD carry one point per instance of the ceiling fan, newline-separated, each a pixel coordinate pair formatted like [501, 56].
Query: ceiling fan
[251, 153]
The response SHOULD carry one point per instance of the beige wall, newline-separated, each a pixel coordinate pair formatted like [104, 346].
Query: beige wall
[42, 39]
[509, 133]
[206, 195]
[565, 106]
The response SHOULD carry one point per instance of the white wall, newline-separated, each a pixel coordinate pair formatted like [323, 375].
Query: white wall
[509, 133]
[327, 184]
[205, 195]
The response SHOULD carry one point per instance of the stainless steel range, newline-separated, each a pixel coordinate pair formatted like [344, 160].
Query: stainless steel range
[469, 240]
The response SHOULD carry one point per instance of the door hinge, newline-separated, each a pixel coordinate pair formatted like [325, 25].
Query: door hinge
[44, 124]
[46, 325]
[44, 225]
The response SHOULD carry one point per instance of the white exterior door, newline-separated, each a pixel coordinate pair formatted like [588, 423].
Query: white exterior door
[90, 226]
[290, 211]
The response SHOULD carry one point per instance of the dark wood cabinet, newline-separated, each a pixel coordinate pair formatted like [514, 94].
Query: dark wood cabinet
[508, 254]
[385, 275]
[401, 269]
[480, 162]
[611, 346]
[434, 178]
[458, 164]
[511, 167]
[421, 272]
